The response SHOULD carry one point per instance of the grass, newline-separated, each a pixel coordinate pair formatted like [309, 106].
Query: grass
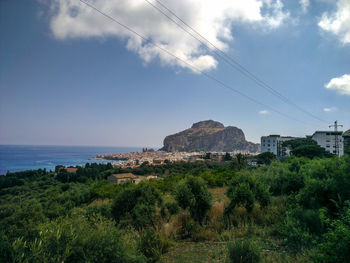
[195, 252]
[257, 226]
[219, 194]
[215, 252]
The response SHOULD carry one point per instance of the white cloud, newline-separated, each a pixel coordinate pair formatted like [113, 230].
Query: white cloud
[304, 5]
[330, 109]
[340, 84]
[264, 112]
[338, 22]
[214, 19]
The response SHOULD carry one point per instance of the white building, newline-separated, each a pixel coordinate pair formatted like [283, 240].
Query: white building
[273, 143]
[332, 141]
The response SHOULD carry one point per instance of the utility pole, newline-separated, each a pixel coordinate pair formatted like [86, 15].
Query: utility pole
[336, 143]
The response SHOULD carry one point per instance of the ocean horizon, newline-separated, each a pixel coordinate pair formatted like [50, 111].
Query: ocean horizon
[16, 158]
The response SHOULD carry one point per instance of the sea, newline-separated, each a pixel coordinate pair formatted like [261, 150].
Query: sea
[14, 158]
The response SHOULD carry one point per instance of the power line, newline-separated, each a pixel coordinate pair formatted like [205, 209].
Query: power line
[232, 62]
[188, 64]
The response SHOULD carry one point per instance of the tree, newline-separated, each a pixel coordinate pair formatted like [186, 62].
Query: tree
[266, 158]
[306, 147]
[194, 195]
[311, 151]
[239, 162]
[292, 144]
[227, 157]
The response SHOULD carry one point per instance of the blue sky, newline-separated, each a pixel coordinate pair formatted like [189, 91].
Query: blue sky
[69, 76]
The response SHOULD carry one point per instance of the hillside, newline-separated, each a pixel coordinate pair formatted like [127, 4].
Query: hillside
[209, 136]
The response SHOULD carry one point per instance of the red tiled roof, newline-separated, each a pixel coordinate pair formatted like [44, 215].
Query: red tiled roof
[70, 169]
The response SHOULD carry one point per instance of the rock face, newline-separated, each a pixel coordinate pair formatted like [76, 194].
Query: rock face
[209, 136]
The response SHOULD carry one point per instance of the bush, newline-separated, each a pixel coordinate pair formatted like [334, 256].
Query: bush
[243, 251]
[136, 205]
[194, 195]
[75, 240]
[172, 207]
[184, 226]
[152, 245]
[244, 190]
[241, 195]
[335, 246]
[296, 236]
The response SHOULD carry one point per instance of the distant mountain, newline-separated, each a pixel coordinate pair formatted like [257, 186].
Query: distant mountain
[209, 136]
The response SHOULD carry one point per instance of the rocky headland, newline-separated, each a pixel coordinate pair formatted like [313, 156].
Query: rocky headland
[209, 136]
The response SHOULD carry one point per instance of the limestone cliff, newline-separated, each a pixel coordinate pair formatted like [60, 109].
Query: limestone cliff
[209, 136]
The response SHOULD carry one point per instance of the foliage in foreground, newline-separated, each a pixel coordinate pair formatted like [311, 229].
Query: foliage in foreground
[75, 239]
[299, 206]
[243, 251]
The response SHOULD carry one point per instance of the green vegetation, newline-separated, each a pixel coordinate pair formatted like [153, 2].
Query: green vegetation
[194, 195]
[296, 210]
[306, 147]
[243, 251]
[266, 158]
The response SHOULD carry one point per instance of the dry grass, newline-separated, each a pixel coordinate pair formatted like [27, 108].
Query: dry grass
[219, 194]
[101, 202]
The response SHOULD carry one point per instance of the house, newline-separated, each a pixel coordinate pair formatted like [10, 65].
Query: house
[158, 161]
[122, 178]
[149, 177]
[69, 169]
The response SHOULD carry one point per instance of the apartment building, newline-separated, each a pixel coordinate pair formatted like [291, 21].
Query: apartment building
[332, 141]
[274, 143]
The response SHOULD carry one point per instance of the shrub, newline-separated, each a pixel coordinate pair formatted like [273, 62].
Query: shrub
[244, 190]
[243, 251]
[76, 240]
[172, 207]
[185, 226]
[152, 245]
[335, 246]
[194, 195]
[295, 234]
[136, 204]
[241, 195]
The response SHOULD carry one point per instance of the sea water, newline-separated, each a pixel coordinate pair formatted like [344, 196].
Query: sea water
[16, 158]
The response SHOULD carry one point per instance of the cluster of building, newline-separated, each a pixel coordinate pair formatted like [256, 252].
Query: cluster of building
[134, 159]
[335, 142]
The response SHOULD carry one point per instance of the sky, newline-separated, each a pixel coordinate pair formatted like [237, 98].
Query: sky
[71, 76]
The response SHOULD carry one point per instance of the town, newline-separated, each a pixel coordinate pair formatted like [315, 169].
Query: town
[335, 142]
